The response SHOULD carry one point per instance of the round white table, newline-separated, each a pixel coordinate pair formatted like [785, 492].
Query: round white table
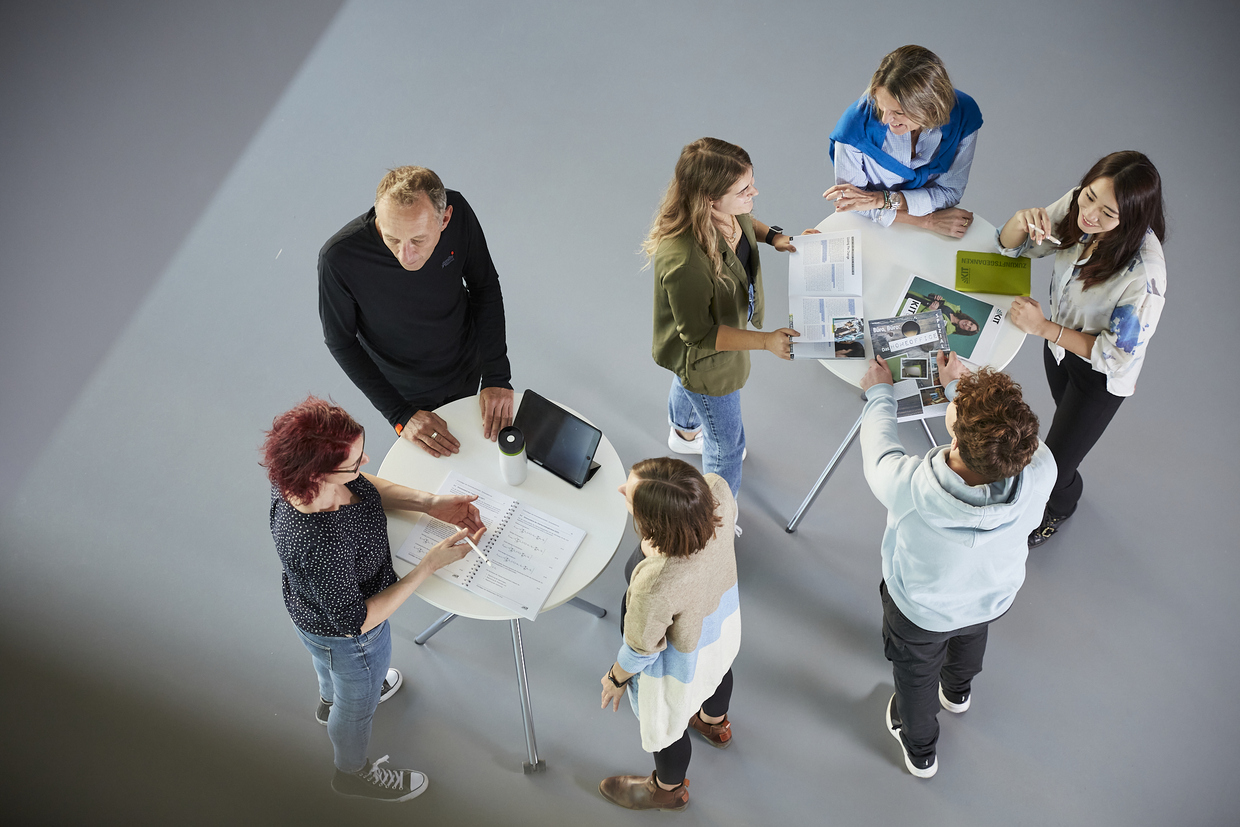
[596, 507]
[889, 256]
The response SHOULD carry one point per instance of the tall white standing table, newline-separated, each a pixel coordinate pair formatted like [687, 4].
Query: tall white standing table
[597, 507]
[889, 255]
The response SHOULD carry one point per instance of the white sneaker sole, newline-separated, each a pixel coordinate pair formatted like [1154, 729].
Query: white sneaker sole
[692, 446]
[394, 679]
[951, 707]
[929, 771]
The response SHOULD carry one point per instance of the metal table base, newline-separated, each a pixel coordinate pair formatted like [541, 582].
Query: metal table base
[534, 764]
[826, 472]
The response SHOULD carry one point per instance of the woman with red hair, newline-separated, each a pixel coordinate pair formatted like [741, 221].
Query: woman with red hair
[328, 522]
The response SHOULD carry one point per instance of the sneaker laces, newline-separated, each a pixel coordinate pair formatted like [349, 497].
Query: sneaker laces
[380, 777]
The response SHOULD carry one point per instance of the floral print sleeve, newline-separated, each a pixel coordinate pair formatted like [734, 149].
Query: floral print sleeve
[1119, 349]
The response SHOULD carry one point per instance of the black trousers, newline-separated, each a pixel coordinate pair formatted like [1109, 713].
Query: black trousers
[1083, 409]
[920, 660]
[672, 762]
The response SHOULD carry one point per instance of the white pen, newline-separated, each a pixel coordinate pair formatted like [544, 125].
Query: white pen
[1035, 229]
[475, 548]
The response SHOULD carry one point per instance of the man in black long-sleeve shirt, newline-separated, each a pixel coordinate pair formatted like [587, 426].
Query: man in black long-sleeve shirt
[412, 309]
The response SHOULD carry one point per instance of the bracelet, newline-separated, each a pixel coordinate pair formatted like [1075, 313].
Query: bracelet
[1060, 336]
[616, 683]
[886, 200]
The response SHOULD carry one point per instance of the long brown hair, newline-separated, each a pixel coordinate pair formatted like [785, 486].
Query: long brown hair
[707, 169]
[672, 506]
[1138, 194]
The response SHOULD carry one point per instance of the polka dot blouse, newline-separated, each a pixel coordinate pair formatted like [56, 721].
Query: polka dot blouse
[333, 560]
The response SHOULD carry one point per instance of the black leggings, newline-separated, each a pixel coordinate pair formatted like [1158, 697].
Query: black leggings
[672, 762]
[1083, 409]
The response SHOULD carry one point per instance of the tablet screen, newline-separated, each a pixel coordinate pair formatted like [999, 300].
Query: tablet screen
[556, 439]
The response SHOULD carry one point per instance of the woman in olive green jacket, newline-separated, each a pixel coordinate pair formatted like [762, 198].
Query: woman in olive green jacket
[707, 288]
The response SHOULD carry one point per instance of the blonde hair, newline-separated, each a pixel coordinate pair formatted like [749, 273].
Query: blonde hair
[406, 186]
[917, 79]
[706, 170]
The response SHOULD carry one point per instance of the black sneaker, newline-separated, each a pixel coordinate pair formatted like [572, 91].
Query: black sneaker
[920, 767]
[954, 701]
[390, 684]
[1050, 524]
[380, 784]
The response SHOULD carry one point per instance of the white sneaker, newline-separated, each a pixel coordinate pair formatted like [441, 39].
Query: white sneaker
[685, 446]
[692, 446]
[954, 706]
[921, 767]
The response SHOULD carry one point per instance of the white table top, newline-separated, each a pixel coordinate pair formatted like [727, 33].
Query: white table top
[889, 255]
[597, 507]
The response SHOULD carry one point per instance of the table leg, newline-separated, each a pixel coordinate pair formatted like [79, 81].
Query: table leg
[822, 480]
[443, 621]
[587, 606]
[527, 713]
[929, 435]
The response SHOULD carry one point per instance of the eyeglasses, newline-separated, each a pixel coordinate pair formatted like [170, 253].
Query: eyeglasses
[357, 467]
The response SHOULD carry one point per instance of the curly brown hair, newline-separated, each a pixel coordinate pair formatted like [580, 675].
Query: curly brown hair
[996, 432]
[673, 507]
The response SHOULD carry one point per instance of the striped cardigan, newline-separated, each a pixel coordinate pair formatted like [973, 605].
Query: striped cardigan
[682, 629]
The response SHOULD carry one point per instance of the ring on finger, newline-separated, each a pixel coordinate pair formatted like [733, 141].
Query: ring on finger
[434, 434]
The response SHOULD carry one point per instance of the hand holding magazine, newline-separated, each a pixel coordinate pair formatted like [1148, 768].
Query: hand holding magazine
[824, 297]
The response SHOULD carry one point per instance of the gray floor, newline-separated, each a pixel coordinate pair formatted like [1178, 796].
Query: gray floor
[169, 178]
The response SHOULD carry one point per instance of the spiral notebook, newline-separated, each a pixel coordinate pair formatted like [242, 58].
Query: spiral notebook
[528, 549]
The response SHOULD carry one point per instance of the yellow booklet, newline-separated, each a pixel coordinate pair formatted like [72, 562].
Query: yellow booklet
[992, 273]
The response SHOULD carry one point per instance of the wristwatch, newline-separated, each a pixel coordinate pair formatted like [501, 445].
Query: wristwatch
[771, 232]
[896, 200]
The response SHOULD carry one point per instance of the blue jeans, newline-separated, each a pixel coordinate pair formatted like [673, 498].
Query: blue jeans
[723, 433]
[351, 672]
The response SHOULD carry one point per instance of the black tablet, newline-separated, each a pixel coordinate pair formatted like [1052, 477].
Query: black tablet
[559, 441]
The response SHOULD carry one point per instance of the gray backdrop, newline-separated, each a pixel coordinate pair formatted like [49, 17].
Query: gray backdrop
[170, 173]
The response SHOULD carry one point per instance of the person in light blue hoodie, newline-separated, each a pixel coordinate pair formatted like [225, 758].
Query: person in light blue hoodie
[954, 549]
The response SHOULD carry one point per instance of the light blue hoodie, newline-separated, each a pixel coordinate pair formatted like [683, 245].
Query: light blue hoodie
[953, 553]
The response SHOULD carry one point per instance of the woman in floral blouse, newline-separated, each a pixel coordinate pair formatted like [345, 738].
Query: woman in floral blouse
[1107, 292]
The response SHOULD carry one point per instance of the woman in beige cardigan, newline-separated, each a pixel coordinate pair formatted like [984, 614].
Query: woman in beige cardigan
[681, 623]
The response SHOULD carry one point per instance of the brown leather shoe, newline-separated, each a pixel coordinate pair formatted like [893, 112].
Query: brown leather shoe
[637, 792]
[717, 735]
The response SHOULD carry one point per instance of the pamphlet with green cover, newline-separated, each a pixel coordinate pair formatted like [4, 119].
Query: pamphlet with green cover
[992, 273]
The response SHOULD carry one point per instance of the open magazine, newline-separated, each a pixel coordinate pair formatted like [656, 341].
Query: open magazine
[910, 345]
[972, 324]
[824, 297]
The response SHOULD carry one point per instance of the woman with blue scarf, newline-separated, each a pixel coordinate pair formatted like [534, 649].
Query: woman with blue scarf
[902, 152]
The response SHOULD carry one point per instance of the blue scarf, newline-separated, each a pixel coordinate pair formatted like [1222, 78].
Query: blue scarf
[859, 127]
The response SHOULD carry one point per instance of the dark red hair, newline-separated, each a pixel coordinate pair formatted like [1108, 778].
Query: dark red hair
[1138, 195]
[305, 444]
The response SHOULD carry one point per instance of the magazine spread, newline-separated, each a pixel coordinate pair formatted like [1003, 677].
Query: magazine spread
[972, 324]
[824, 297]
[910, 345]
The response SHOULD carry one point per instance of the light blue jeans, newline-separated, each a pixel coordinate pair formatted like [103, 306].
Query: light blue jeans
[719, 417]
[351, 672]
